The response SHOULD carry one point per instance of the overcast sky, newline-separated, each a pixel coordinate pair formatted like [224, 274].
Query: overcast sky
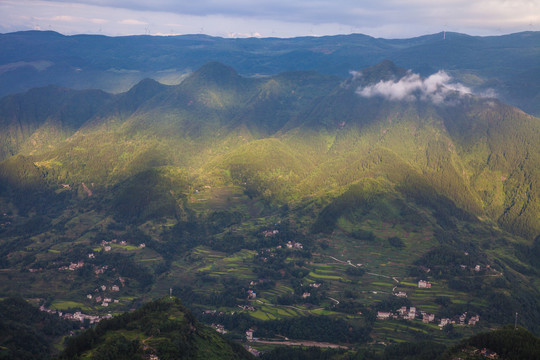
[267, 18]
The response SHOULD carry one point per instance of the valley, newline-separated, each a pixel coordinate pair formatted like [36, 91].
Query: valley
[290, 205]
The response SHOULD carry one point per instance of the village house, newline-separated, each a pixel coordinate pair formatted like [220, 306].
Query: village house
[123, 242]
[142, 246]
[427, 318]
[315, 285]
[251, 294]
[306, 295]
[103, 287]
[219, 328]
[115, 288]
[444, 322]
[477, 268]
[412, 313]
[402, 311]
[91, 256]
[473, 320]
[423, 284]
[383, 315]
[89, 296]
[462, 318]
[401, 294]
[249, 334]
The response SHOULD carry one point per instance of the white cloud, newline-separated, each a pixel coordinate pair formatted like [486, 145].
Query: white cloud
[434, 88]
[244, 35]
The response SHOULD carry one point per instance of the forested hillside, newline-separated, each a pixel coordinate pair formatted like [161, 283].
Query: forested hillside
[299, 206]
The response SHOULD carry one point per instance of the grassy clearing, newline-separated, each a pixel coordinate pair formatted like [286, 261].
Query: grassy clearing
[325, 277]
[68, 304]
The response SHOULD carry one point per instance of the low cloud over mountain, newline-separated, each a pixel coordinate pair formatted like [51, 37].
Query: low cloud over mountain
[410, 87]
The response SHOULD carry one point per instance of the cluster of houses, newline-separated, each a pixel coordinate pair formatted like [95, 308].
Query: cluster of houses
[219, 328]
[477, 268]
[408, 314]
[105, 301]
[412, 314]
[214, 312]
[461, 320]
[423, 284]
[77, 316]
[100, 269]
[268, 233]
[72, 266]
[253, 351]
[294, 245]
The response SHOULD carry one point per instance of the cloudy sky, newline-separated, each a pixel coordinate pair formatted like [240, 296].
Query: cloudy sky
[266, 18]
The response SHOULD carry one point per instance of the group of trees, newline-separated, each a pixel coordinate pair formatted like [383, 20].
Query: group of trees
[28, 333]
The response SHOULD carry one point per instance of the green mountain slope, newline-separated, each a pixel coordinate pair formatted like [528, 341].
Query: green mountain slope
[324, 202]
[43, 117]
[27, 333]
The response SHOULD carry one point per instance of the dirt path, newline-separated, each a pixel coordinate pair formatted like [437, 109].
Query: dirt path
[348, 262]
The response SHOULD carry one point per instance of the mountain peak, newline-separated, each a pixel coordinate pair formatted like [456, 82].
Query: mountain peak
[216, 73]
[146, 88]
[385, 70]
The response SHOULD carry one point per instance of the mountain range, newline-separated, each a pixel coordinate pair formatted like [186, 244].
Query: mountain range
[329, 197]
[505, 65]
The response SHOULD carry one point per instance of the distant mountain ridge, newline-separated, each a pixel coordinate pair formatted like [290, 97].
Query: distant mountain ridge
[506, 64]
